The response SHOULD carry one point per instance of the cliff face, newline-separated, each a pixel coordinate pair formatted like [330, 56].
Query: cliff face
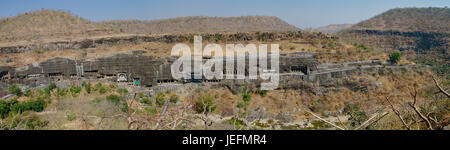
[150, 71]
[297, 71]
[396, 40]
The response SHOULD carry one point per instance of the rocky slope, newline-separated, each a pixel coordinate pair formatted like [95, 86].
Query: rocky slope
[203, 24]
[333, 28]
[424, 31]
[43, 24]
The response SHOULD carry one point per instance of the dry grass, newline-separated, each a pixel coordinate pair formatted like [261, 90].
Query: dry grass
[201, 24]
[84, 111]
[87, 113]
[42, 24]
[409, 19]
[339, 53]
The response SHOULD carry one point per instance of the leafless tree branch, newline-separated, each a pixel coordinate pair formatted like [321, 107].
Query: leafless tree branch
[440, 88]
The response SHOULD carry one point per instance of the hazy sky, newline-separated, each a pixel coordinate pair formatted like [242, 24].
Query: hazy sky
[301, 13]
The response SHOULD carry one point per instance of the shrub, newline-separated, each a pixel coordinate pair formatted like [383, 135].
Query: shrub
[98, 85]
[87, 87]
[47, 92]
[246, 97]
[96, 100]
[151, 110]
[205, 104]
[35, 123]
[261, 37]
[357, 116]
[61, 92]
[240, 105]
[40, 92]
[395, 57]
[27, 92]
[4, 109]
[218, 38]
[15, 90]
[71, 116]
[113, 98]
[235, 121]
[146, 100]
[52, 86]
[37, 105]
[75, 90]
[174, 98]
[102, 90]
[125, 108]
[141, 95]
[264, 92]
[363, 47]
[112, 86]
[122, 91]
[160, 99]
[261, 92]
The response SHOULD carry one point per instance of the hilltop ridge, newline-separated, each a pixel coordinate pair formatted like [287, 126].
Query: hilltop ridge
[48, 24]
[203, 24]
[430, 19]
[57, 24]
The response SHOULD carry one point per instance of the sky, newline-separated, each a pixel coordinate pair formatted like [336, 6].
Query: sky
[301, 13]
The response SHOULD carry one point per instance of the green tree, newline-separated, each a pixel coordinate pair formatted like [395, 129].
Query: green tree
[246, 97]
[174, 98]
[27, 92]
[4, 109]
[75, 90]
[395, 57]
[87, 87]
[113, 98]
[146, 100]
[36, 105]
[205, 104]
[122, 91]
[357, 116]
[102, 90]
[160, 99]
[13, 89]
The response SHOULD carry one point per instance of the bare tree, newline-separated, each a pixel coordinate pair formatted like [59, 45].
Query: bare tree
[206, 109]
[429, 118]
[440, 88]
[168, 118]
[364, 125]
[397, 112]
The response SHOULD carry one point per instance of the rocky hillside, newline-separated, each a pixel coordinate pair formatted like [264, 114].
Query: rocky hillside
[44, 25]
[409, 20]
[48, 24]
[333, 28]
[203, 24]
[422, 34]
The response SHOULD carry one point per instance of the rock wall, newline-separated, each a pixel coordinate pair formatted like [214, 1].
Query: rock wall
[148, 70]
[396, 40]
